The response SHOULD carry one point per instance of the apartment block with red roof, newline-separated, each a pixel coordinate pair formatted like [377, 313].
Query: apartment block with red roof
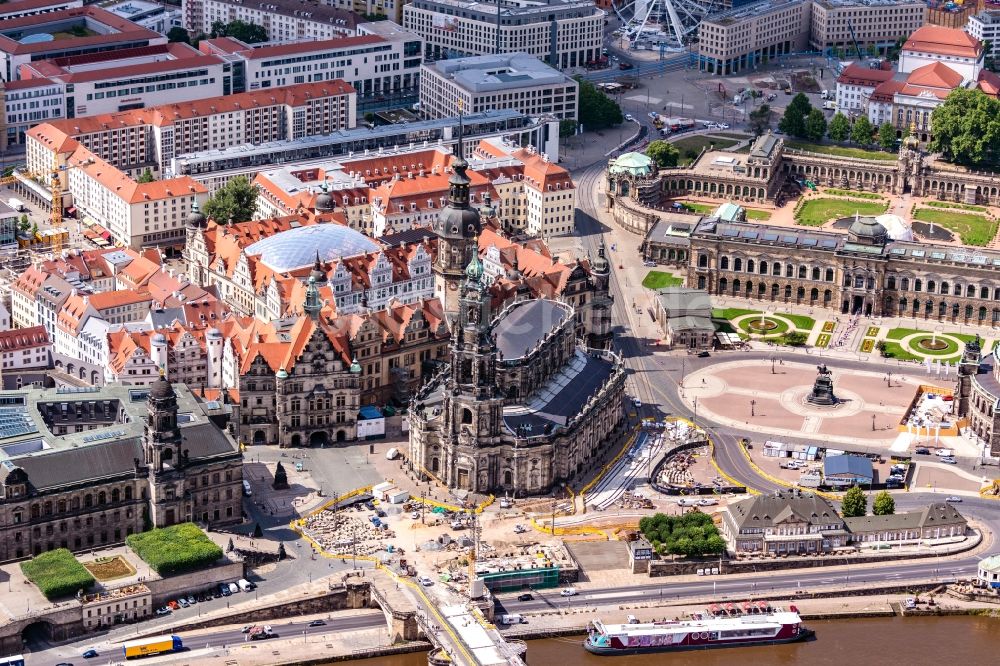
[25, 349]
[284, 20]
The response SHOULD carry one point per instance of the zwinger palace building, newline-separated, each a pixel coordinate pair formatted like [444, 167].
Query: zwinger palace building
[875, 269]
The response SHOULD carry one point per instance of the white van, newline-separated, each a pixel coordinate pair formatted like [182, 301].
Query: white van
[233, 589]
[514, 618]
[631, 619]
[244, 584]
[247, 492]
[392, 453]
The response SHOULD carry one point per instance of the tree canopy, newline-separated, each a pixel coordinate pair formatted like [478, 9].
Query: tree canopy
[664, 153]
[793, 122]
[760, 119]
[886, 136]
[967, 128]
[250, 33]
[146, 176]
[862, 131]
[815, 125]
[692, 534]
[597, 110]
[884, 504]
[854, 503]
[567, 127]
[236, 201]
[839, 128]
[178, 34]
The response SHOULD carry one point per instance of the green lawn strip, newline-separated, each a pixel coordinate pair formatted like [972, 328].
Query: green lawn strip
[965, 337]
[723, 326]
[780, 326]
[659, 280]
[57, 573]
[691, 146]
[823, 340]
[853, 193]
[841, 151]
[958, 206]
[977, 230]
[802, 322]
[756, 214]
[900, 333]
[706, 209]
[731, 313]
[175, 549]
[817, 212]
[871, 332]
[894, 350]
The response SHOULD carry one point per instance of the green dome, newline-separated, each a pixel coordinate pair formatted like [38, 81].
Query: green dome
[474, 271]
[636, 164]
[355, 366]
[281, 374]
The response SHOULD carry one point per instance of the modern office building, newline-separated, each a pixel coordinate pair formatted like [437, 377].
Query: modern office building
[508, 81]
[383, 64]
[563, 33]
[284, 20]
[985, 27]
[81, 30]
[874, 25]
[27, 103]
[736, 39]
[152, 15]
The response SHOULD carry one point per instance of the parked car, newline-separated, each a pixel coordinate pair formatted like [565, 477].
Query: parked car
[191, 600]
[317, 623]
[910, 603]
[687, 501]
[722, 125]
[637, 403]
[703, 354]
[520, 529]
[524, 597]
[415, 515]
[568, 592]
[922, 450]
[425, 581]
[173, 605]
[183, 602]
[649, 264]
[707, 502]
[163, 611]
[90, 654]
[953, 499]
[949, 461]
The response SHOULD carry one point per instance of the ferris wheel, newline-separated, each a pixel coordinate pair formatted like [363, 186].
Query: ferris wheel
[644, 20]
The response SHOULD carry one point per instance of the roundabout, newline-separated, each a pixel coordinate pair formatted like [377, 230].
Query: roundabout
[932, 345]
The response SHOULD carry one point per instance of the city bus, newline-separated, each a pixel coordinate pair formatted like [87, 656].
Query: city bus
[150, 646]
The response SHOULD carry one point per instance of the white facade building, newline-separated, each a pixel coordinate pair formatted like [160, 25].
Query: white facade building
[284, 20]
[985, 27]
[517, 81]
[28, 103]
[563, 33]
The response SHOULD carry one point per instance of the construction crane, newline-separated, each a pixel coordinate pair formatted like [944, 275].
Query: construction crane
[57, 216]
[850, 26]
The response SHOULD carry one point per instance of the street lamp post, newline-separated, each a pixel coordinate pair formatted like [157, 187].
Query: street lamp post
[873, 423]
[773, 359]
[753, 404]
[888, 379]
[423, 497]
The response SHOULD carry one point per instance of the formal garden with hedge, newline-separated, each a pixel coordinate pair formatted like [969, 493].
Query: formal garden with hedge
[57, 573]
[175, 549]
[692, 534]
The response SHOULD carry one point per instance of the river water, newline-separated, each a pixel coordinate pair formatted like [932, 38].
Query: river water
[962, 640]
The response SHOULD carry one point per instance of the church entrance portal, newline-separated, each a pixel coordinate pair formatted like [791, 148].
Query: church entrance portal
[319, 438]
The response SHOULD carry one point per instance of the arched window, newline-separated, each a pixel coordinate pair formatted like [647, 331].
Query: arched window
[904, 284]
[813, 294]
[701, 281]
[702, 261]
[918, 285]
[829, 275]
[970, 291]
[789, 271]
[737, 264]
[776, 269]
[800, 293]
[815, 273]
[802, 272]
[982, 314]
[930, 287]
[750, 265]
[890, 283]
[466, 416]
[968, 312]
[724, 263]
[984, 292]
[763, 268]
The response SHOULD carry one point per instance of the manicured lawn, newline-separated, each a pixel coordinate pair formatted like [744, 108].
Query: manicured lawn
[957, 206]
[853, 193]
[109, 568]
[829, 326]
[871, 332]
[867, 345]
[976, 230]
[731, 313]
[842, 151]
[57, 573]
[175, 549]
[823, 340]
[950, 348]
[779, 326]
[900, 333]
[893, 350]
[659, 280]
[690, 146]
[802, 322]
[817, 212]
[705, 209]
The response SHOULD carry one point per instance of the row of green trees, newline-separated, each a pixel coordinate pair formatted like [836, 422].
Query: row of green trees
[855, 503]
[597, 111]
[692, 534]
[249, 33]
[803, 121]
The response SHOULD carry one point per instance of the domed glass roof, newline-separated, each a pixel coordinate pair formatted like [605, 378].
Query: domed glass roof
[297, 248]
[896, 227]
[636, 163]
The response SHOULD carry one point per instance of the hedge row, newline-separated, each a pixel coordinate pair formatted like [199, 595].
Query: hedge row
[175, 549]
[57, 573]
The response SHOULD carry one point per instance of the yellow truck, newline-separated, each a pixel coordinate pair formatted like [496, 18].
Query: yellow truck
[154, 645]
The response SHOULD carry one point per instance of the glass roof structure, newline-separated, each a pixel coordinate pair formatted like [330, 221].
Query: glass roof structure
[297, 248]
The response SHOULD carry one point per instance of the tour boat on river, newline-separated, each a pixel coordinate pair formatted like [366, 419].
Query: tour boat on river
[720, 627]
